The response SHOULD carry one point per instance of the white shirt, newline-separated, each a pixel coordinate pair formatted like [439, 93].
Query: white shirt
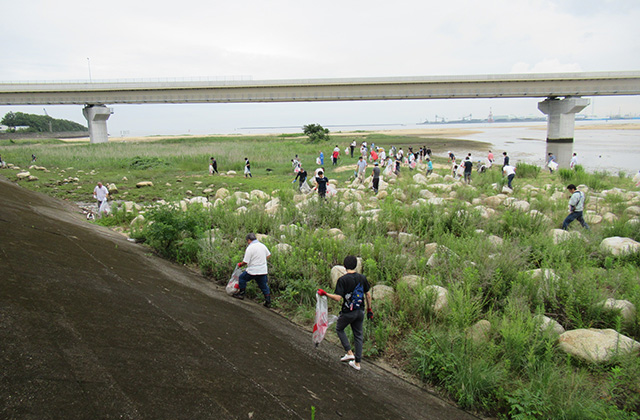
[100, 193]
[361, 165]
[509, 170]
[256, 258]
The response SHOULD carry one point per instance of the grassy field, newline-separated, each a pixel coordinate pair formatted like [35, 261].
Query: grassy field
[517, 371]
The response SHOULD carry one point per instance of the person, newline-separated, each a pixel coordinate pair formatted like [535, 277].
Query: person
[255, 258]
[247, 168]
[429, 152]
[376, 177]
[321, 158]
[468, 167]
[429, 167]
[452, 157]
[301, 176]
[551, 162]
[352, 147]
[505, 160]
[361, 166]
[336, 153]
[350, 314]
[33, 158]
[3, 164]
[490, 157]
[576, 208]
[398, 163]
[213, 165]
[100, 193]
[400, 154]
[382, 156]
[510, 172]
[322, 182]
[574, 162]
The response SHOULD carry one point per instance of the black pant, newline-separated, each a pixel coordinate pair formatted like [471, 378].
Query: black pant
[376, 183]
[355, 319]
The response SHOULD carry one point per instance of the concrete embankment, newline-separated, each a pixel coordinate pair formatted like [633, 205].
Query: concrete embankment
[92, 326]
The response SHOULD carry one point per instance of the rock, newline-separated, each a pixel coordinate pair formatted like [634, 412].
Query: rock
[198, 200]
[437, 201]
[521, 205]
[440, 251]
[406, 238]
[283, 248]
[382, 292]
[130, 206]
[354, 206]
[507, 190]
[260, 195]
[231, 173]
[561, 235]
[539, 217]
[411, 280]
[262, 237]
[32, 178]
[207, 191]
[619, 246]
[609, 217]
[494, 201]
[420, 179]
[222, 193]
[382, 195]
[241, 209]
[112, 188]
[124, 178]
[558, 195]
[143, 184]
[547, 324]
[495, 240]
[592, 218]
[23, 175]
[543, 273]
[137, 221]
[479, 332]
[626, 308]
[634, 210]
[441, 296]
[337, 271]
[595, 345]
[426, 194]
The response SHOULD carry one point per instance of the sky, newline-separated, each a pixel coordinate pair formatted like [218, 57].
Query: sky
[71, 40]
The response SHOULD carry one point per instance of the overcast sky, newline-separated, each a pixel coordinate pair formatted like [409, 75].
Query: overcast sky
[287, 39]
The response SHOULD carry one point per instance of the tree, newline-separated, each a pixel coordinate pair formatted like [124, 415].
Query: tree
[316, 132]
[39, 123]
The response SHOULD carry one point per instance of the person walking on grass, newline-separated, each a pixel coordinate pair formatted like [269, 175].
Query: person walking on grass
[353, 290]
[468, 167]
[100, 194]
[576, 208]
[352, 147]
[255, 258]
[429, 167]
[510, 172]
[301, 176]
[505, 161]
[574, 162]
[376, 177]
[247, 168]
[213, 166]
[334, 156]
[322, 182]
[361, 167]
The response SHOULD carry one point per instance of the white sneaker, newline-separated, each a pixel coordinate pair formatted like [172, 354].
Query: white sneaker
[353, 365]
[347, 357]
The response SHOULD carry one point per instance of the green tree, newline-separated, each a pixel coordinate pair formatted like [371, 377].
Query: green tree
[39, 123]
[316, 133]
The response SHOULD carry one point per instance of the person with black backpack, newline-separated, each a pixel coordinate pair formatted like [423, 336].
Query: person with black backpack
[353, 288]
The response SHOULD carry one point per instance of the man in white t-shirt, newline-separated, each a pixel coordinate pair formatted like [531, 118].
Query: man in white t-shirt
[100, 193]
[510, 172]
[255, 258]
[361, 166]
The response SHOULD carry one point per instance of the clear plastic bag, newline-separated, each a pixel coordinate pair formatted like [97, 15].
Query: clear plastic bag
[323, 319]
[234, 282]
[105, 208]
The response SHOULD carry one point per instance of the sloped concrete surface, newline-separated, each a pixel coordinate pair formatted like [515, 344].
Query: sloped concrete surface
[95, 327]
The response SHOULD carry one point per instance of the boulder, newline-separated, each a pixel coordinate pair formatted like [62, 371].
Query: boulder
[337, 271]
[426, 194]
[259, 195]
[441, 296]
[198, 200]
[633, 210]
[595, 345]
[494, 201]
[430, 249]
[262, 237]
[411, 280]
[112, 188]
[23, 175]
[561, 235]
[382, 195]
[231, 173]
[626, 308]
[207, 191]
[609, 217]
[521, 205]
[143, 184]
[494, 240]
[241, 209]
[420, 179]
[283, 248]
[406, 238]
[507, 190]
[479, 332]
[382, 292]
[32, 178]
[592, 218]
[137, 221]
[547, 324]
[222, 193]
[485, 212]
[617, 245]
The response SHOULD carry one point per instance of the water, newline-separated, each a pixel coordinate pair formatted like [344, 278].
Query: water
[606, 149]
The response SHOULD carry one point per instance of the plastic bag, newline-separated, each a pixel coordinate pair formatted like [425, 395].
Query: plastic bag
[105, 208]
[323, 319]
[234, 282]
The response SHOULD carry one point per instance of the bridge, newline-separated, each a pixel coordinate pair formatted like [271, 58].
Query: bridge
[563, 93]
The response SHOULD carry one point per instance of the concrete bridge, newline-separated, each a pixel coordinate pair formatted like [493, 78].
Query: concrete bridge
[564, 93]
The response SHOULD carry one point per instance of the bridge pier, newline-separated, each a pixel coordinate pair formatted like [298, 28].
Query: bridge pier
[97, 116]
[561, 124]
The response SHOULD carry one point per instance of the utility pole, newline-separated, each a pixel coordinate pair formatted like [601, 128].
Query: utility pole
[89, 64]
[50, 125]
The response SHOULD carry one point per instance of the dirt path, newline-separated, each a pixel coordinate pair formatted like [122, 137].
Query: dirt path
[93, 326]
